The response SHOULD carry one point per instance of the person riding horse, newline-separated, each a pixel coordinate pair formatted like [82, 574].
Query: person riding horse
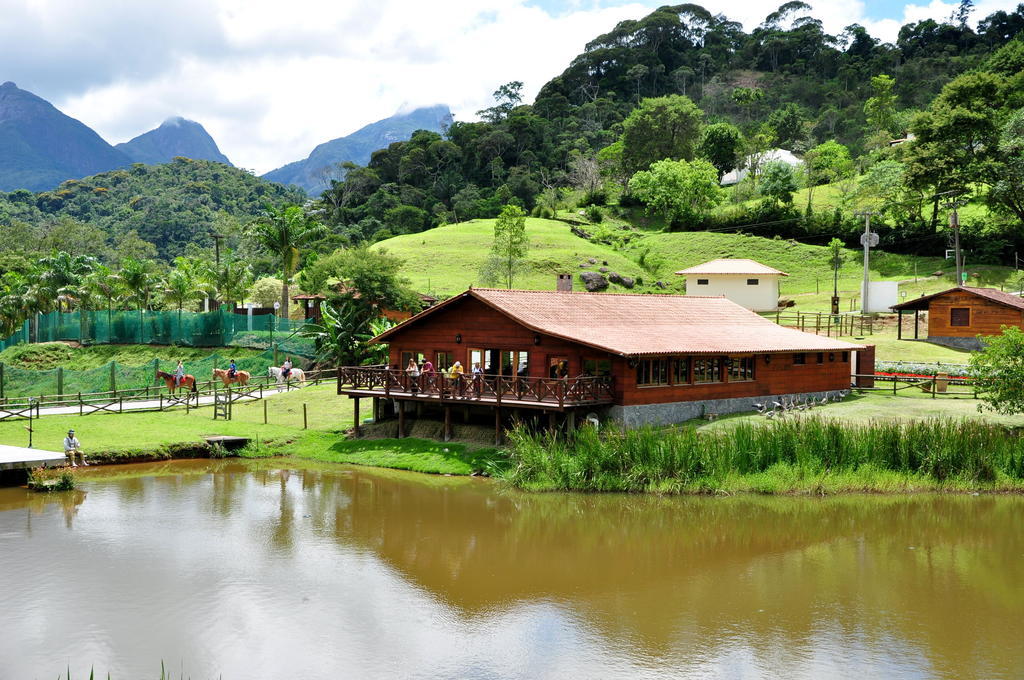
[286, 368]
[179, 373]
[232, 369]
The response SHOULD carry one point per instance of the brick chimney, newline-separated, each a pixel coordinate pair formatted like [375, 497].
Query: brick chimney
[564, 284]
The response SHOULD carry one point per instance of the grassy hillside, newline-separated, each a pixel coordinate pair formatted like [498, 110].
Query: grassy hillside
[49, 355]
[447, 260]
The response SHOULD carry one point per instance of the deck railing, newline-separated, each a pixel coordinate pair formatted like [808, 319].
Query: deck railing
[489, 388]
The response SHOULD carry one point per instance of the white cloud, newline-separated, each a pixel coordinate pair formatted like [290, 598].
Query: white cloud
[270, 80]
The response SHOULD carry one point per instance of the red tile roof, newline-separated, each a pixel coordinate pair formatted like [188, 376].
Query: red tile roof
[732, 266]
[998, 296]
[635, 325]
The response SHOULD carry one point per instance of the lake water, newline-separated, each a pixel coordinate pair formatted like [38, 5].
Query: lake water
[222, 569]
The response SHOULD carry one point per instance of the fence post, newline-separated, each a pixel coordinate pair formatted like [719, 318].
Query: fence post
[276, 362]
[305, 422]
[156, 367]
[264, 411]
[60, 382]
[1, 380]
[113, 377]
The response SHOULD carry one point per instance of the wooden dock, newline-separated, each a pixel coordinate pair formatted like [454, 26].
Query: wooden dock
[19, 458]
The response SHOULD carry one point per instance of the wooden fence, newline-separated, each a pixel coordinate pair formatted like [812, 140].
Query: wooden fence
[832, 325]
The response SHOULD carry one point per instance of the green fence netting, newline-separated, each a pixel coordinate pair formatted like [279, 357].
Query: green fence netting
[220, 328]
[23, 382]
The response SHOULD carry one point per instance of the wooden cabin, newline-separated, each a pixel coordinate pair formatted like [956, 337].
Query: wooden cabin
[311, 306]
[956, 317]
[632, 358]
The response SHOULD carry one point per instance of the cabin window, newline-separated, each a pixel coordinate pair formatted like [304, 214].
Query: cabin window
[751, 282]
[408, 354]
[707, 370]
[846, 357]
[444, 360]
[558, 367]
[741, 369]
[799, 359]
[652, 372]
[821, 357]
[597, 367]
[702, 282]
[681, 371]
[960, 316]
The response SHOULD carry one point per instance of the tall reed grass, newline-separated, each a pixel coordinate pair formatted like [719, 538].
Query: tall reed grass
[651, 458]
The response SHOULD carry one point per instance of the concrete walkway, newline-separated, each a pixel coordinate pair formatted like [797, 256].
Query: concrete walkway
[19, 458]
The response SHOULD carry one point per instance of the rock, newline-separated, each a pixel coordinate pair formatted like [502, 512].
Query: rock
[624, 281]
[660, 284]
[604, 262]
[938, 273]
[583, 265]
[592, 260]
[594, 281]
[603, 270]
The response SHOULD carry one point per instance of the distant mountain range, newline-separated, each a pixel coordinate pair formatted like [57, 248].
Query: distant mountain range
[311, 174]
[175, 137]
[40, 147]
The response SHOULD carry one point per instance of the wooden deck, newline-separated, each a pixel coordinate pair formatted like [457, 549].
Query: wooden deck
[18, 458]
[494, 390]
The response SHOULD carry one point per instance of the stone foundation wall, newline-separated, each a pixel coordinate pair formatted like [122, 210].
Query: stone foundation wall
[680, 411]
[970, 344]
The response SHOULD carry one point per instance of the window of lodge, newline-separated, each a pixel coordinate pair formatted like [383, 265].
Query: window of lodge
[681, 371]
[707, 370]
[960, 316]
[597, 367]
[652, 372]
[741, 369]
[799, 359]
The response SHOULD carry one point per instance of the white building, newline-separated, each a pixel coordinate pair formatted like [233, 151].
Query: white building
[745, 282]
[771, 155]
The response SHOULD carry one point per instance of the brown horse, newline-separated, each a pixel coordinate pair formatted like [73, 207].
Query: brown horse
[187, 381]
[241, 377]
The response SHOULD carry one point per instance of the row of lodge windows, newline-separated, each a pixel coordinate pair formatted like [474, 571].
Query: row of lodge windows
[705, 370]
[693, 370]
[750, 282]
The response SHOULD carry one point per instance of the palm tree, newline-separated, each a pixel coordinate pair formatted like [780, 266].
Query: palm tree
[282, 232]
[231, 280]
[137, 279]
[61, 277]
[178, 288]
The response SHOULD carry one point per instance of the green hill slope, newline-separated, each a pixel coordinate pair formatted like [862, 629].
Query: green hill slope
[447, 260]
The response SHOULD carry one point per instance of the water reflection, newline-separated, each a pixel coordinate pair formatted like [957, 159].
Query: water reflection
[272, 573]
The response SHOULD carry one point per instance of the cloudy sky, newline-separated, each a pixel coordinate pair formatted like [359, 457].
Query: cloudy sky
[271, 79]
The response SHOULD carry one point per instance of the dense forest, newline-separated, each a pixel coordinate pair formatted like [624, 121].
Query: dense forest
[785, 84]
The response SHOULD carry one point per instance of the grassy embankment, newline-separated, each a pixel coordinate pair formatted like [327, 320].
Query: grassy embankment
[49, 355]
[163, 435]
[808, 455]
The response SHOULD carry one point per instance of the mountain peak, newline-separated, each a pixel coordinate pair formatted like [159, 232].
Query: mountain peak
[9, 85]
[176, 136]
[357, 147]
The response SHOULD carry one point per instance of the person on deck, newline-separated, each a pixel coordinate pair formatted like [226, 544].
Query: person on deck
[72, 448]
[456, 370]
[477, 370]
[179, 373]
[286, 367]
[232, 369]
[428, 373]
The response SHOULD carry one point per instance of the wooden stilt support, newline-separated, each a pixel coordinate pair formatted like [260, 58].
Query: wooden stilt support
[447, 423]
[401, 419]
[355, 415]
[571, 420]
[552, 423]
[376, 409]
[899, 325]
[497, 426]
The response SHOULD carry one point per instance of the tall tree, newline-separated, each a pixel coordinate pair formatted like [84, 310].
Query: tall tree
[660, 128]
[283, 232]
[510, 245]
[684, 193]
[722, 144]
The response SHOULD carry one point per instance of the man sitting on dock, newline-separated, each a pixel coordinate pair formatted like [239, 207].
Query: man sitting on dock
[73, 447]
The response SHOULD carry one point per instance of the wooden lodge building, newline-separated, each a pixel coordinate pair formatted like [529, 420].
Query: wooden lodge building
[956, 317]
[635, 359]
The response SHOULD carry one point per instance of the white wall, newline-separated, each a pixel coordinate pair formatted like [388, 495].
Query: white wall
[881, 296]
[764, 297]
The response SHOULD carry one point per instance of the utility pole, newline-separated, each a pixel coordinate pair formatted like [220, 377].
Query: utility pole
[869, 241]
[216, 255]
[954, 224]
